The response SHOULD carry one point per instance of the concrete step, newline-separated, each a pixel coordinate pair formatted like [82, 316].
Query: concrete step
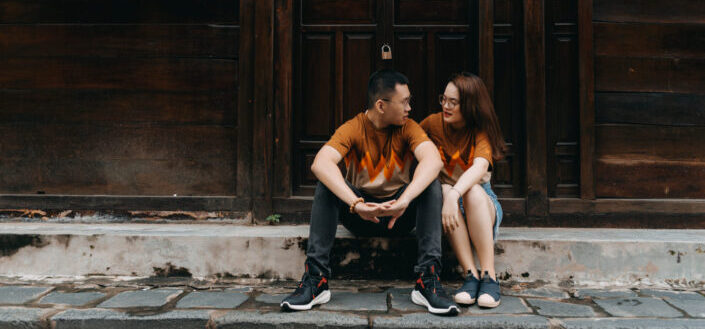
[552, 255]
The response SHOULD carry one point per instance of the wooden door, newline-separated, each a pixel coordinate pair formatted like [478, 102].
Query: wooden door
[337, 45]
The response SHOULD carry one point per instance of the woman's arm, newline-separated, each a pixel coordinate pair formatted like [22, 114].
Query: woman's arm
[471, 176]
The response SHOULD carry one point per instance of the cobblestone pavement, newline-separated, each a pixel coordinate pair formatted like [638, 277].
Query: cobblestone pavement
[251, 303]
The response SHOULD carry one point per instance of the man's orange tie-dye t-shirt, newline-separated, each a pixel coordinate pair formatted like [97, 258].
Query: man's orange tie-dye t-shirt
[457, 150]
[378, 161]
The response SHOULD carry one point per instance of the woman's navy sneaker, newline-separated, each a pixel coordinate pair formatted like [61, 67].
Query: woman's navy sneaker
[489, 292]
[429, 292]
[467, 294]
[312, 290]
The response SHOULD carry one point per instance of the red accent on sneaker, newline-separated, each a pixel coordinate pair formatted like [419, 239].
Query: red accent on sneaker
[419, 281]
[323, 280]
[314, 296]
[433, 269]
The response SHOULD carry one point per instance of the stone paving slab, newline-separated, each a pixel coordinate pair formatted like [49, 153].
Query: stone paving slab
[19, 317]
[694, 308]
[551, 308]
[539, 292]
[141, 298]
[270, 299]
[401, 300]
[20, 294]
[294, 320]
[688, 295]
[109, 319]
[608, 323]
[71, 298]
[638, 307]
[347, 301]
[212, 299]
[426, 321]
[597, 293]
[692, 303]
[509, 305]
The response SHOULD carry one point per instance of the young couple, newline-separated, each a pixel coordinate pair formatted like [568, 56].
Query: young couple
[378, 198]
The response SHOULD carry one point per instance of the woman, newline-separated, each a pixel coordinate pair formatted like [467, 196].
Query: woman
[469, 139]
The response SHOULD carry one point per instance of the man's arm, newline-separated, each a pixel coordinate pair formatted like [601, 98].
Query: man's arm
[427, 170]
[325, 168]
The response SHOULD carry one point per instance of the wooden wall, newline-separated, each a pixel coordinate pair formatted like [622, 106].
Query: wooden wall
[131, 98]
[649, 99]
[122, 104]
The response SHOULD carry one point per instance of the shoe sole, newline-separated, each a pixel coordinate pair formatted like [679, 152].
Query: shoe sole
[464, 300]
[418, 299]
[488, 304]
[323, 298]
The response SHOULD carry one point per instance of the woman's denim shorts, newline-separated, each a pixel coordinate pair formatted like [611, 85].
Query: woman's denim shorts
[498, 208]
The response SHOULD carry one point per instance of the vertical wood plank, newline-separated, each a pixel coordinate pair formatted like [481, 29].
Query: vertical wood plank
[486, 37]
[339, 72]
[245, 100]
[432, 89]
[587, 99]
[263, 108]
[535, 63]
[283, 97]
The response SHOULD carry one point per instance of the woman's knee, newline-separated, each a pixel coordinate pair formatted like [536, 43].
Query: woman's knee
[475, 196]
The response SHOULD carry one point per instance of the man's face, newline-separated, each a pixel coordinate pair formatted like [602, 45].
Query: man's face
[397, 106]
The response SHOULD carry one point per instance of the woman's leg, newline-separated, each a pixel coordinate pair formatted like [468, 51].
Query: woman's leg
[460, 242]
[480, 214]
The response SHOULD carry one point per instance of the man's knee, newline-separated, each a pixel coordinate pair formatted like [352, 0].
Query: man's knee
[434, 192]
[323, 192]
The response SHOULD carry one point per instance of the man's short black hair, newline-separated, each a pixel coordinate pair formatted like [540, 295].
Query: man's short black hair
[382, 83]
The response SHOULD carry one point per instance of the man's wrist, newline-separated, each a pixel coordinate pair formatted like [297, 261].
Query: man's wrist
[453, 189]
[354, 203]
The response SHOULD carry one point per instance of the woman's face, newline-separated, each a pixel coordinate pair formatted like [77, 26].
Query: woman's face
[451, 105]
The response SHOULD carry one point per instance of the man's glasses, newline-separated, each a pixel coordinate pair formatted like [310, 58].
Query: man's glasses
[405, 103]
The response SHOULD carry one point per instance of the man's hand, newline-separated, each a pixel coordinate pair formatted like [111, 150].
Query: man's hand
[449, 214]
[368, 211]
[394, 208]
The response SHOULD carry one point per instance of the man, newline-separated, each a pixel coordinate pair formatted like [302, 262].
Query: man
[376, 198]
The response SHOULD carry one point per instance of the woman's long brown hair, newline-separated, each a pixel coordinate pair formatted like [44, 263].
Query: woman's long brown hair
[478, 111]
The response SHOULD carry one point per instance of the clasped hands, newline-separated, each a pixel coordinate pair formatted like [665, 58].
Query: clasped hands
[370, 211]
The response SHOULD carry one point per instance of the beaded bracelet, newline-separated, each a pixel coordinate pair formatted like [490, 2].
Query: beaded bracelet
[352, 206]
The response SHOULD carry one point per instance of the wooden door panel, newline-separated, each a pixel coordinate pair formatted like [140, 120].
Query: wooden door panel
[335, 51]
[508, 97]
[434, 12]
[562, 99]
[326, 12]
[411, 58]
[358, 56]
[317, 86]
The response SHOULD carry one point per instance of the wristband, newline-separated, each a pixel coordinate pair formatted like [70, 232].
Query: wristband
[352, 206]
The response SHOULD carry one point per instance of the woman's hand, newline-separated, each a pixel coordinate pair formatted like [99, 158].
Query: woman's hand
[449, 214]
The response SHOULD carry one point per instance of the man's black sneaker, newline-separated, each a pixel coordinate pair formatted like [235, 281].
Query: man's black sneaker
[489, 292]
[467, 294]
[312, 290]
[429, 292]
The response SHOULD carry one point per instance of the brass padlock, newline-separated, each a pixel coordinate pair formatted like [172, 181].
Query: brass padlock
[386, 51]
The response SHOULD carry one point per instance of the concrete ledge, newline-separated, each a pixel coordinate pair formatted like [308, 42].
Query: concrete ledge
[583, 256]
